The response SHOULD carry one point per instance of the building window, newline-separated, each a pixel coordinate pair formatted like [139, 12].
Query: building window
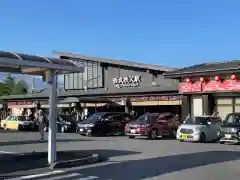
[92, 77]
[224, 106]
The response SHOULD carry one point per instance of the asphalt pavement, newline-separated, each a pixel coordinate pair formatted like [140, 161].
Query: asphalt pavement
[133, 159]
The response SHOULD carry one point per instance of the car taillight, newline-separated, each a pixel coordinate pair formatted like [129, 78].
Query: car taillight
[126, 127]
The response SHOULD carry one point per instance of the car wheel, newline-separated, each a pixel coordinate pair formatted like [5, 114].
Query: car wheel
[62, 129]
[89, 134]
[20, 127]
[5, 127]
[202, 138]
[153, 134]
[217, 140]
[174, 133]
[131, 137]
[221, 142]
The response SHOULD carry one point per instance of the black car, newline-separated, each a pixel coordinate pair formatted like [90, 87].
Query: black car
[104, 123]
[65, 123]
[231, 128]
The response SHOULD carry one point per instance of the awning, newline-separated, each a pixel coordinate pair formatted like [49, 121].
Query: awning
[84, 100]
[35, 65]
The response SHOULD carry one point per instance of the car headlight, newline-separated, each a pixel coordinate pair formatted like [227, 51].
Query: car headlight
[68, 123]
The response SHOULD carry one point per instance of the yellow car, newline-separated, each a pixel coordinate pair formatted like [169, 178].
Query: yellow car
[17, 123]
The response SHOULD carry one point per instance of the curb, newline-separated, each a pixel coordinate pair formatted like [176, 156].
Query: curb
[94, 158]
[22, 156]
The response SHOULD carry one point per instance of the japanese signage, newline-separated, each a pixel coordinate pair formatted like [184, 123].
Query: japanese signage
[148, 98]
[127, 81]
[190, 87]
[19, 103]
[211, 86]
[225, 86]
[28, 102]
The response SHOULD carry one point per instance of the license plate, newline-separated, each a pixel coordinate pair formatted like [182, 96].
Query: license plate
[133, 131]
[81, 130]
[184, 136]
[228, 136]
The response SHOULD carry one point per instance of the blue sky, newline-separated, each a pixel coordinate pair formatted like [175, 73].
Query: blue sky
[173, 33]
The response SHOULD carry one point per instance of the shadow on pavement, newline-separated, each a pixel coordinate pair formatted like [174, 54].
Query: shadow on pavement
[158, 139]
[40, 160]
[147, 168]
[10, 143]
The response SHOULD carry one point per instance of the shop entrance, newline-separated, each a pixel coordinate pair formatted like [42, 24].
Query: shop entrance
[226, 105]
[175, 109]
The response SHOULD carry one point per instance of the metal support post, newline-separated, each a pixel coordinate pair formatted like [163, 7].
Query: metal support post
[52, 118]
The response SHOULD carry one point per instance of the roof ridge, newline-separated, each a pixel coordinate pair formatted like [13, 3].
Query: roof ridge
[206, 67]
[101, 59]
[210, 63]
[221, 62]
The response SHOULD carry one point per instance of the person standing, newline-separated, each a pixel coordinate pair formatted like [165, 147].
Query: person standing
[30, 115]
[41, 121]
[133, 114]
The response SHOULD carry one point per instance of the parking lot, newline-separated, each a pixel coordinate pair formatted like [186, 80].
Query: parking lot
[131, 158]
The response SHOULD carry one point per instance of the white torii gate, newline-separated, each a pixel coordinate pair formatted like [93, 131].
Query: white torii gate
[48, 68]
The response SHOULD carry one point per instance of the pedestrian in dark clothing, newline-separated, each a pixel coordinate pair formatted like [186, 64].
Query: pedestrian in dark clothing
[41, 122]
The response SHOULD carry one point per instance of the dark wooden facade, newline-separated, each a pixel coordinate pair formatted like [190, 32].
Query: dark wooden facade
[116, 80]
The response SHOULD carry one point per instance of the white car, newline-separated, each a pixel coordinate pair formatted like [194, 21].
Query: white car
[200, 129]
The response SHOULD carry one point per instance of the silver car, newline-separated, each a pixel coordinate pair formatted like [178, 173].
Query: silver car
[200, 129]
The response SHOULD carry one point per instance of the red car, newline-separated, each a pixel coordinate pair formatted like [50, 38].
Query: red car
[153, 125]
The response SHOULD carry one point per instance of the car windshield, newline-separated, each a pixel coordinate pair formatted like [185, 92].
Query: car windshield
[23, 118]
[232, 120]
[237, 118]
[66, 118]
[94, 118]
[196, 120]
[141, 120]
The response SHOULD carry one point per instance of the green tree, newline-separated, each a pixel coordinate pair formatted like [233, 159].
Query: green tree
[4, 89]
[9, 80]
[12, 86]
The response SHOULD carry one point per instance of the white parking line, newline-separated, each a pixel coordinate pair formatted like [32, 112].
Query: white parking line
[36, 175]
[88, 178]
[7, 152]
[65, 176]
